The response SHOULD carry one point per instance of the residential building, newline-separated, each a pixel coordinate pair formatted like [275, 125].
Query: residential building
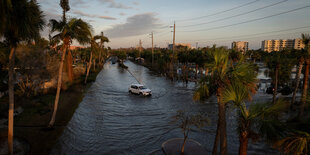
[178, 45]
[278, 45]
[298, 44]
[241, 46]
[76, 47]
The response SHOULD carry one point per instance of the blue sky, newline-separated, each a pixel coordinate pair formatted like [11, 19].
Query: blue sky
[205, 22]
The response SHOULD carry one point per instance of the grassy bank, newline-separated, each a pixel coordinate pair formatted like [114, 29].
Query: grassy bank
[32, 122]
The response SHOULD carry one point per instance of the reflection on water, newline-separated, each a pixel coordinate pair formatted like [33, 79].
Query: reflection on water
[109, 120]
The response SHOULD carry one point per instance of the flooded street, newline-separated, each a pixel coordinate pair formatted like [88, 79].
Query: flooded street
[109, 120]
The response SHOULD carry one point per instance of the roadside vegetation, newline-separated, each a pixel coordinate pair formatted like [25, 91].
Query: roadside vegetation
[34, 69]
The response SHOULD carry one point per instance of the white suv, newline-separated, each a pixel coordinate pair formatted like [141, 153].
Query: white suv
[139, 89]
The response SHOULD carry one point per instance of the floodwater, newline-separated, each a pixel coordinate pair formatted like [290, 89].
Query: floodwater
[109, 120]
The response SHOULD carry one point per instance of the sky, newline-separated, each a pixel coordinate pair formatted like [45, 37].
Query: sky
[198, 22]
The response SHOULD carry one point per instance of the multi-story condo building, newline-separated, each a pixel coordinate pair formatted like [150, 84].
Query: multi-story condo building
[298, 44]
[241, 46]
[278, 45]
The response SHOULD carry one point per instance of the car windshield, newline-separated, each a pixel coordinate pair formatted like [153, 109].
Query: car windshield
[142, 87]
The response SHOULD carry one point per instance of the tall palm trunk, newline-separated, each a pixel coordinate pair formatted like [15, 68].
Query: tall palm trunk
[223, 136]
[305, 89]
[297, 79]
[217, 138]
[69, 66]
[52, 121]
[88, 68]
[275, 84]
[222, 123]
[243, 139]
[11, 100]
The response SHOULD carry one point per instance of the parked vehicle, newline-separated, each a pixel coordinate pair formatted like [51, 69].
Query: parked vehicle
[286, 90]
[139, 89]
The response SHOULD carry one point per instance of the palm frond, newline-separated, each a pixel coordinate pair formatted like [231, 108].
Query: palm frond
[80, 30]
[235, 93]
[23, 22]
[266, 120]
[56, 25]
[296, 143]
[101, 38]
[201, 93]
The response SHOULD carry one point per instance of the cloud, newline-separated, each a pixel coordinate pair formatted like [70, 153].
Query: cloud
[113, 4]
[80, 13]
[135, 25]
[135, 3]
[49, 14]
[79, 3]
[122, 14]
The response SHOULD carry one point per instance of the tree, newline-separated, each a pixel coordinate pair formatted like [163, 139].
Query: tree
[187, 121]
[64, 4]
[21, 20]
[305, 40]
[74, 29]
[223, 75]
[102, 39]
[280, 67]
[65, 7]
[256, 121]
[297, 142]
[301, 58]
[94, 46]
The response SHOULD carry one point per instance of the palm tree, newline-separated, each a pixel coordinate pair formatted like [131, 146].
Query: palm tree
[94, 46]
[64, 4]
[305, 40]
[103, 39]
[223, 75]
[280, 66]
[22, 21]
[74, 29]
[259, 120]
[296, 143]
[301, 57]
[65, 7]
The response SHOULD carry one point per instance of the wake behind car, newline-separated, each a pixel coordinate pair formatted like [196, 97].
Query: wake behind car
[139, 89]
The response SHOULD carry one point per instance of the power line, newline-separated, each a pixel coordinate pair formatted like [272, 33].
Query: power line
[163, 27]
[248, 21]
[246, 36]
[159, 32]
[234, 8]
[241, 14]
[163, 34]
[255, 34]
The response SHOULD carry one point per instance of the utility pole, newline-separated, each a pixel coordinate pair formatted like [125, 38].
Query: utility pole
[152, 36]
[173, 48]
[140, 47]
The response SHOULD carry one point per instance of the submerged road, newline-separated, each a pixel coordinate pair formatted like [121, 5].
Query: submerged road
[109, 120]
